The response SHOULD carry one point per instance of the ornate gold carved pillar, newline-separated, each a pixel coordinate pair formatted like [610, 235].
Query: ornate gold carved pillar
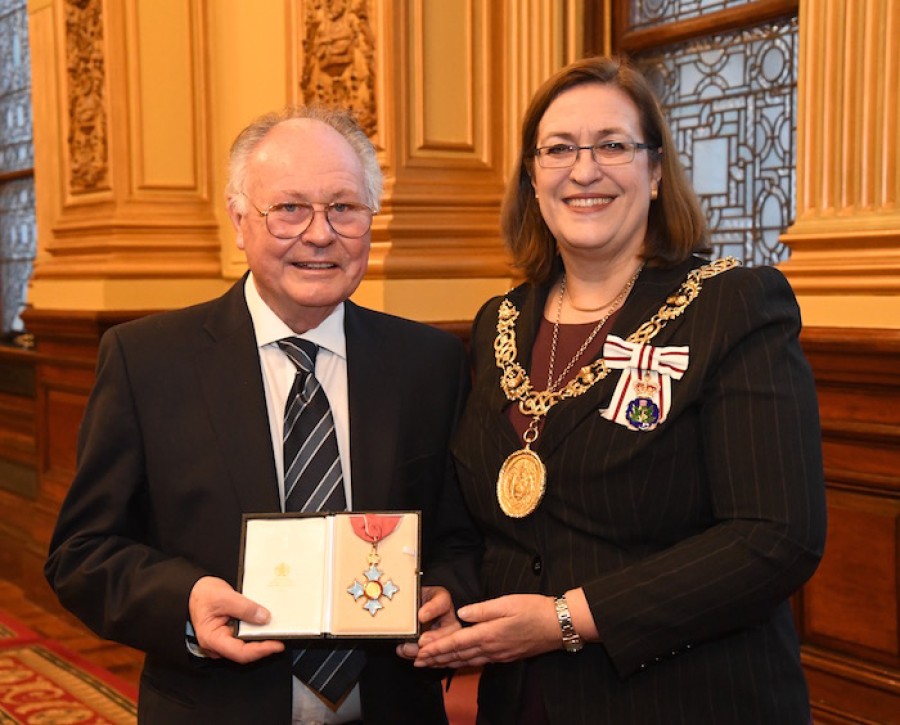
[541, 37]
[423, 76]
[125, 219]
[441, 85]
[426, 76]
[846, 240]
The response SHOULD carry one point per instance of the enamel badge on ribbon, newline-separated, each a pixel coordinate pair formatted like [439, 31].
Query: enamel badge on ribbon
[373, 528]
[644, 392]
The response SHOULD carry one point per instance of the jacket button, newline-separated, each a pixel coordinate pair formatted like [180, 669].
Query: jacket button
[536, 565]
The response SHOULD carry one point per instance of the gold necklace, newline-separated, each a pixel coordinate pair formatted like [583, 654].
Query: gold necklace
[613, 306]
[522, 480]
[592, 309]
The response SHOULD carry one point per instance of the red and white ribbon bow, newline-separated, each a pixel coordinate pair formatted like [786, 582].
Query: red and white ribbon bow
[643, 395]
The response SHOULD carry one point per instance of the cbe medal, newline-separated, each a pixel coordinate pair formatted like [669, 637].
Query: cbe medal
[373, 529]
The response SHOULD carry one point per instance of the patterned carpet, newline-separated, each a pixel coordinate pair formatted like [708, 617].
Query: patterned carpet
[42, 682]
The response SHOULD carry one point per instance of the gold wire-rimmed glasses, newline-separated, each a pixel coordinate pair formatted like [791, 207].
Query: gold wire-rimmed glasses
[289, 219]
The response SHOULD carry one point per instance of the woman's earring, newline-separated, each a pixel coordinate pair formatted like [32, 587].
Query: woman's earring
[654, 192]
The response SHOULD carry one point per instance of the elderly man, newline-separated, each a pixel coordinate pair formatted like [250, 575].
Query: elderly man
[185, 432]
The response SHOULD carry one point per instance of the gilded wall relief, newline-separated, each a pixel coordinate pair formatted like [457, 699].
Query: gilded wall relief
[339, 57]
[86, 75]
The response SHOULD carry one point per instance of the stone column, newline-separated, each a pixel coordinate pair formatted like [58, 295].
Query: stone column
[845, 244]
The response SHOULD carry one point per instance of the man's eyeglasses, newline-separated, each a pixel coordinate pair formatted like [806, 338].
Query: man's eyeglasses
[605, 153]
[289, 219]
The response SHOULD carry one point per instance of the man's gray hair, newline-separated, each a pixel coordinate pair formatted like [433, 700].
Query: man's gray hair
[340, 120]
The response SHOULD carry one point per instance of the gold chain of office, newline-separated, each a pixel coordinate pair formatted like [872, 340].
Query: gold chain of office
[515, 381]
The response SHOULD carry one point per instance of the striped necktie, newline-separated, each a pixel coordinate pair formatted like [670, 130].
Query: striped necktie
[314, 481]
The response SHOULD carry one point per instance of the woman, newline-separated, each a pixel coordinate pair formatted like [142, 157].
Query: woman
[641, 447]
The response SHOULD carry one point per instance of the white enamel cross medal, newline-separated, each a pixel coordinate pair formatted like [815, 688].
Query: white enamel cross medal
[372, 589]
[373, 528]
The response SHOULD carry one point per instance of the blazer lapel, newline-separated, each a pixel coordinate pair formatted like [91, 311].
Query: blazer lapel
[373, 420]
[231, 380]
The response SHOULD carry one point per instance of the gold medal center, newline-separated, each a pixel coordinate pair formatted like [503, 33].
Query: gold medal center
[373, 590]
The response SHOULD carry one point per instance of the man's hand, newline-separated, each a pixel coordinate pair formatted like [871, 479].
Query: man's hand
[437, 614]
[213, 605]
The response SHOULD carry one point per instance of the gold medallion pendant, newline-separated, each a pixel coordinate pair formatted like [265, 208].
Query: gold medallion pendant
[523, 476]
[521, 483]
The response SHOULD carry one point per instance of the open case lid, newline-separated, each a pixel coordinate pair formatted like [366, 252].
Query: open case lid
[348, 574]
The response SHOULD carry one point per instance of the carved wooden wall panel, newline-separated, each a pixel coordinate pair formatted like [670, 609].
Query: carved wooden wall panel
[87, 98]
[434, 75]
[170, 149]
[339, 58]
[128, 134]
[453, 131]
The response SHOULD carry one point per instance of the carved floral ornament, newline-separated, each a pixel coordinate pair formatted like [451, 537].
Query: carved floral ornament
[86, 76]
[338, 65]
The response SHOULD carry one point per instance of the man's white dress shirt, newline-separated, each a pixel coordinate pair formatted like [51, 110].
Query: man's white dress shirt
[278, 378]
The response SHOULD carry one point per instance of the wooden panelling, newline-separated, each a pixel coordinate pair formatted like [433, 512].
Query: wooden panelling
[720, 21]
[850, 693]
[17, 426]
[65, 408]
[62, 366]
[848, 613]
[18, 456]
[851, 603]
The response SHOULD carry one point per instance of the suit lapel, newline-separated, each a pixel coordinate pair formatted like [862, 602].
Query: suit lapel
[372, 389]
[231, 379]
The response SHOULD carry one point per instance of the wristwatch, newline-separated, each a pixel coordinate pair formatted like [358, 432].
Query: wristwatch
[570, 639]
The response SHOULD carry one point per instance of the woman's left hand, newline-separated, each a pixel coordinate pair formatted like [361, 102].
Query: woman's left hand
[508, 628]
[436, 613]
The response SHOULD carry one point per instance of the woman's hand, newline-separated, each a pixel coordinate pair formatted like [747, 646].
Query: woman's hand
[504, 629]
[438, 617]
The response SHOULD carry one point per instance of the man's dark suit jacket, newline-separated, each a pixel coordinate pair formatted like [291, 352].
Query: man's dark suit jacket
[688, 539]
[175, 447]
